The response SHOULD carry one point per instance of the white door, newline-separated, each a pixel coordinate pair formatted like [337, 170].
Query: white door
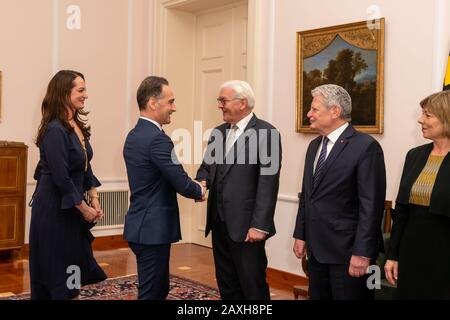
[221, 55]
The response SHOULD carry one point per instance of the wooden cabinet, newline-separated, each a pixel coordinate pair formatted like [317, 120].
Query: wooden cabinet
[13, 175]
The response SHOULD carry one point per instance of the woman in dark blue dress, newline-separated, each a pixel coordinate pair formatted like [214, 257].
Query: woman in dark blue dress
[61, 258]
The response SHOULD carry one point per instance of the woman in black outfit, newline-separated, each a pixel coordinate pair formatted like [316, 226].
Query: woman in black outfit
[61, 258]
[419, 250]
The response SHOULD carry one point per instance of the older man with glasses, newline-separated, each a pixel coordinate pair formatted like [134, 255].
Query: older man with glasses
[243, 181]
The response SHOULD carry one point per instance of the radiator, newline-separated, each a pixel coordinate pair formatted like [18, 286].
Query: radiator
[115, 206]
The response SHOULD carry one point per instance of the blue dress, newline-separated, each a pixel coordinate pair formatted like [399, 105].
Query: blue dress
[60, 239]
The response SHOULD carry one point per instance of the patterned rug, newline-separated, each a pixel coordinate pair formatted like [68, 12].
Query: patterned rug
[125, 288]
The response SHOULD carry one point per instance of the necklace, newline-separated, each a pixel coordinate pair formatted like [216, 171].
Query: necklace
[81, 140]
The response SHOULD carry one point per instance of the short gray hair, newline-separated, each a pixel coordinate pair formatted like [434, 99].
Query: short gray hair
[335, 96]
[242, 90]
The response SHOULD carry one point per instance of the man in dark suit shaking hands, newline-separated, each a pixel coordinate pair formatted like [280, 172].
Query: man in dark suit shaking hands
[342, 200]
[241, 169]
[152, 222]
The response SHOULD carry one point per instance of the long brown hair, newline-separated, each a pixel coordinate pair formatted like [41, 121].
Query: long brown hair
[55, 101]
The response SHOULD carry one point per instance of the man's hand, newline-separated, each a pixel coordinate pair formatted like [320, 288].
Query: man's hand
[299, 248]
[254, 235]
[358, 266]
[202, 185]
[391, 271]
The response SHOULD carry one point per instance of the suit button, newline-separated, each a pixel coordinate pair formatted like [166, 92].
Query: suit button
[221, 171]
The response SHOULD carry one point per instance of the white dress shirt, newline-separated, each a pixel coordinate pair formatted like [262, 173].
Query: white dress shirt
[332, 138]
[152, 121]
[241, 125]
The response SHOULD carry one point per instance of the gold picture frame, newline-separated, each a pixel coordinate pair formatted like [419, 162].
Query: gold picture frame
[350, 55]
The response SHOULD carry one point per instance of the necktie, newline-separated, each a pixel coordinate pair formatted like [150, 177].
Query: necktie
[320, 161]
[230, 138]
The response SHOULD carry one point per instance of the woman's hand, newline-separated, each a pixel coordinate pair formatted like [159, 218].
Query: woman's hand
[391, 271]
[95, 203]
[89, 214]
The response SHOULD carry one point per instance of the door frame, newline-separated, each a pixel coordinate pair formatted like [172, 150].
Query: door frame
[259, 47]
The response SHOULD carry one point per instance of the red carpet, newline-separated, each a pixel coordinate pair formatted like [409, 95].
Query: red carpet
[125, 288]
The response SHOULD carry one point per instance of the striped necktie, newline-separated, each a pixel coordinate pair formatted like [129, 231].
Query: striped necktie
[320, 162]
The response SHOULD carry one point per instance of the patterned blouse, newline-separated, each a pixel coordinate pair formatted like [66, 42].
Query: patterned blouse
[421, 189]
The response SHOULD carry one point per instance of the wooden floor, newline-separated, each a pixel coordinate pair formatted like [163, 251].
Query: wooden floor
[187, 260]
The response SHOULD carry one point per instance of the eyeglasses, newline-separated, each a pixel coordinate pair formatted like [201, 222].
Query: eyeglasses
[223, 101]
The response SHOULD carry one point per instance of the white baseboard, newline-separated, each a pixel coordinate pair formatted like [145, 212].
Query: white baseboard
[107, 231]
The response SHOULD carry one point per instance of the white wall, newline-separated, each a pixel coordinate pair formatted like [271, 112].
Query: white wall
[409, 60]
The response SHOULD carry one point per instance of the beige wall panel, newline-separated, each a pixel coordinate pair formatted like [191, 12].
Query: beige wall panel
[26, 62]
[240, 42]
[99, 50]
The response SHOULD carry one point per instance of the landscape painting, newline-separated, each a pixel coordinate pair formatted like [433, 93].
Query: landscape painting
[350, 56]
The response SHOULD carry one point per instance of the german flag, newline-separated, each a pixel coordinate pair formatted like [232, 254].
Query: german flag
[447, 76]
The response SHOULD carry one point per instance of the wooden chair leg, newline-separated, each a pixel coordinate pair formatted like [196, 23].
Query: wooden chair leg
[300, 290]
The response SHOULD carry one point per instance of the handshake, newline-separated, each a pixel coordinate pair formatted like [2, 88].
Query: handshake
[202, 184]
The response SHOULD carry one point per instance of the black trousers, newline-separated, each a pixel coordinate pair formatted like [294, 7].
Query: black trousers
[333, 282]
[153, 270]
[240, 266]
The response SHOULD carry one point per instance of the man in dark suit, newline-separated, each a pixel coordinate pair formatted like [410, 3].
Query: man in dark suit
[241, 169]
[152, 222]
[341, 203]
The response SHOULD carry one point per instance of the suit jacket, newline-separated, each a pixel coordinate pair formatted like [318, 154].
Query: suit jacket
[342, 216]
[249, 193]
[440, 196]
[154, 180]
